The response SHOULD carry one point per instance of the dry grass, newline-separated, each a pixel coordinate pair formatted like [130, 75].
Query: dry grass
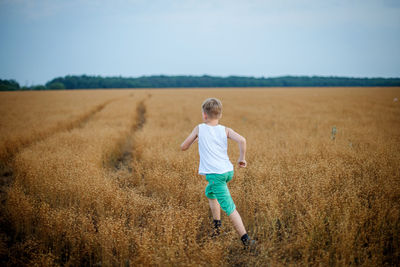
[116, 190]
[57, 110]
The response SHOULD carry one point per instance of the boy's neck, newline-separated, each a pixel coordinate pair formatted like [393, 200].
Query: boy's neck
[213, 122]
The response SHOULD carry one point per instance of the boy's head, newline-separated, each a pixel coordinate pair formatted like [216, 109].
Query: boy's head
[212, 107]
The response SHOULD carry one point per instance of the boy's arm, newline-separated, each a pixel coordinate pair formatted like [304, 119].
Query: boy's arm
[190, 139]
[231, 134]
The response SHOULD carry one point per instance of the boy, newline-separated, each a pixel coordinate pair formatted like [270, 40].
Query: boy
[215, 164]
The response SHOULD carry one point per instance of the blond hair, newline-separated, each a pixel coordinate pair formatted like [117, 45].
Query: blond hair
[212, 107]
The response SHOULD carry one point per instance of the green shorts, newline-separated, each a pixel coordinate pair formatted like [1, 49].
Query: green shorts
[218, 189]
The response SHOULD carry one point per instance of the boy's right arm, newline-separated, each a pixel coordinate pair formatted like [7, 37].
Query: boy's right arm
[231, 134]
[190, 139]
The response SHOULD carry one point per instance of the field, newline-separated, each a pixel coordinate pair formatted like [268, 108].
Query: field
[97, 178]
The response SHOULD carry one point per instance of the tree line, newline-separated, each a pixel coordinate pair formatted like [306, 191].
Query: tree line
[162, 81]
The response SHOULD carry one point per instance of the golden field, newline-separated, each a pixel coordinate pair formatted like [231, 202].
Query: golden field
[97, 178]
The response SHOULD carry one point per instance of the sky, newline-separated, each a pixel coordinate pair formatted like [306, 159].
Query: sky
[44, 39]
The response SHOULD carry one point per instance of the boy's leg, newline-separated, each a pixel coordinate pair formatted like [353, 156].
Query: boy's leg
[221, 192]
[216, 213]
[215, 209]
[237, 223]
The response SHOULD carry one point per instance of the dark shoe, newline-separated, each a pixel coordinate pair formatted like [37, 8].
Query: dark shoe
[216, 228]
[248, 243]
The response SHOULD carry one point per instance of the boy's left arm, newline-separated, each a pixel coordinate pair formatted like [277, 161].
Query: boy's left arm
[190, 139]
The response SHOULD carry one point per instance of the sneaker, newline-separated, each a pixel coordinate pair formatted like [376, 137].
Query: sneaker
[248, 243]
[216, 228]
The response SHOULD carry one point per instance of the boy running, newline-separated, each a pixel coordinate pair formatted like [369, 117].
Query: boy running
[216, 166]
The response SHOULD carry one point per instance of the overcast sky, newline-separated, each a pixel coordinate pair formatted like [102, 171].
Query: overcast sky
[44, 39]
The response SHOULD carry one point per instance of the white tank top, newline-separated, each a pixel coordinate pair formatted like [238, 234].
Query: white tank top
[213, 150]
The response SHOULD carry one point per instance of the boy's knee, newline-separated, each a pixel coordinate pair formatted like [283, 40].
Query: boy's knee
[229, 208]
[227, 204]
[211, 196]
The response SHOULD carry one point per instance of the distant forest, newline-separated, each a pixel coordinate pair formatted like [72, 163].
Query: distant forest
[99, 82]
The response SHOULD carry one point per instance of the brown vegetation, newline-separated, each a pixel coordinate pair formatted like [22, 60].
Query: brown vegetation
[57, 110]
[114, 189]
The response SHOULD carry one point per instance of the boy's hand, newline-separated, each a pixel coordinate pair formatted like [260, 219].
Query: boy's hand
[242, 163]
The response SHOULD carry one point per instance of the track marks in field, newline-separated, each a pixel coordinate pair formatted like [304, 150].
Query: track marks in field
[81, 122]
[124, 159]
[13, 148]
[126, 168]
[6, 163]
[6, 168]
